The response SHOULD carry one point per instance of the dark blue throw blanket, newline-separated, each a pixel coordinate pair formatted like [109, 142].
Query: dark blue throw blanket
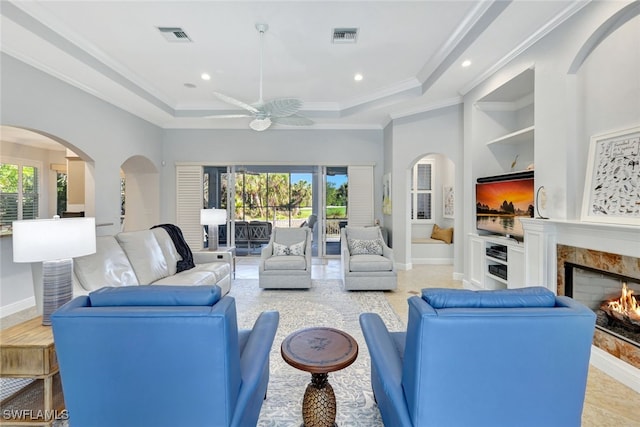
[181, 246]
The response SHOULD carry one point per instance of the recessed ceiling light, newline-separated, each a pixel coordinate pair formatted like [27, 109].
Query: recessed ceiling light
[358, 77]
[466, 63]
[205, 76]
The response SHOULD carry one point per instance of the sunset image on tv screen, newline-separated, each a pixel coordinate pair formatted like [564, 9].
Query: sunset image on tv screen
[498, 204]
[509, 197]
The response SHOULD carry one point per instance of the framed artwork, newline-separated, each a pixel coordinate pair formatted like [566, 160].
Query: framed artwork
[447, 201]
[386, 194]
[612, 184]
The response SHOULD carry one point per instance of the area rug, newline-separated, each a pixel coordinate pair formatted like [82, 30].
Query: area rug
[325, 304]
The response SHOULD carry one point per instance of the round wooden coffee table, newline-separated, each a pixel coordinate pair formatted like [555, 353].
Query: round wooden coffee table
[319, 351]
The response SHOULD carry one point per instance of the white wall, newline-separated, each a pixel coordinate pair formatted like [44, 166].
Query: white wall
[608, 92]
[604, 95]
[434, 132]
[273, 147]
[93, 129]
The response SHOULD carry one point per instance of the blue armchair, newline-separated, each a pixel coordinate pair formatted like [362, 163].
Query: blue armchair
[482, 358]
[161, 356]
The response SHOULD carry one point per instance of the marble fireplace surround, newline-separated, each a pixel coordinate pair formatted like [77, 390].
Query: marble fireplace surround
[607, 263]
[607, 247]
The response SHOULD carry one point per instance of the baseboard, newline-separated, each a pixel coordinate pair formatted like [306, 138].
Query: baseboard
[468, 285]
[401, 266]
[458, 276]
[432, 261]
[8, 310]
[617, 369]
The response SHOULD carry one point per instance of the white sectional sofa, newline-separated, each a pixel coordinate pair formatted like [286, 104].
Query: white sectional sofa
[146, 257]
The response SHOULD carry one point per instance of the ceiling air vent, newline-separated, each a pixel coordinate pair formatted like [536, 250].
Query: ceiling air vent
[345, 35]
[174, 34]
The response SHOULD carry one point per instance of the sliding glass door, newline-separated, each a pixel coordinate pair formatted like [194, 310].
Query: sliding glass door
[336, 195]
[282, 196]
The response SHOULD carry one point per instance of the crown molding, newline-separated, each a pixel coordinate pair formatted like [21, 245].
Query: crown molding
[425, 108]
[39, 14]
[454, 40]
[568, 12]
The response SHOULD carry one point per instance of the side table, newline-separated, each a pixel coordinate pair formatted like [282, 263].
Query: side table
[319, 351]
[27, 351]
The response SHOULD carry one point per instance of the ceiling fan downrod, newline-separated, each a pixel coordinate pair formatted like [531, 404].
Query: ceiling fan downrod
[262, 28]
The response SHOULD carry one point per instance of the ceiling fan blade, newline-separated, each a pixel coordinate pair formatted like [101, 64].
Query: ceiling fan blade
[227, 116]
[233, 101]
[281, 107]
[293, 120]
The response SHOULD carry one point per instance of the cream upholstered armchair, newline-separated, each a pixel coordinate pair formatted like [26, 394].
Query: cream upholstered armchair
[367, 261]
[286, 261]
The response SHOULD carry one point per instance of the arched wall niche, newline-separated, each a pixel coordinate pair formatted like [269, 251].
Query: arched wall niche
[604, 75]
[607, 28]
[443, 176]
[141, 193]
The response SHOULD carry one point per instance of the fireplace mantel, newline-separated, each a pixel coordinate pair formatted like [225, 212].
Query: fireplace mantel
[614, 238]
[542, 235]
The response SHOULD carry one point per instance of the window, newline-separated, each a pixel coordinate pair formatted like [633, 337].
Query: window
[283, 198]
[422, 190]
[61, 190]
[19, 192]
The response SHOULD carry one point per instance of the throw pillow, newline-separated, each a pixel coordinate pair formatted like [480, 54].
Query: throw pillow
[444, 234]
[280, 250]
[284, 250]
[365, 247]
[297, 249]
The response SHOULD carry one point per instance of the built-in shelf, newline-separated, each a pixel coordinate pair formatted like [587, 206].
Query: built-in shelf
[489, 256]
[520, 136]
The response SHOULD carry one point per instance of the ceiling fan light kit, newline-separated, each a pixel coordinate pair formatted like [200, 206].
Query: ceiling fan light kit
[280, 110]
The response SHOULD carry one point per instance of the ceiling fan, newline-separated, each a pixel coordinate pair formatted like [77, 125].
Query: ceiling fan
[279, 110]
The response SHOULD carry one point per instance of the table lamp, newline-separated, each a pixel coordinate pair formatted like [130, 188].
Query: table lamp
[212, 218]
[54, 242]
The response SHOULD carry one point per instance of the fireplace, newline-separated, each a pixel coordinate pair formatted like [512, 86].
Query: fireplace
[595, 277]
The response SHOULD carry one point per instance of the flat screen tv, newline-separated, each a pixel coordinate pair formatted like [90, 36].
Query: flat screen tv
[502, 200]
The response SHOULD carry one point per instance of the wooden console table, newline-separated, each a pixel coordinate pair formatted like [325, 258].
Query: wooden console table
[27, 351]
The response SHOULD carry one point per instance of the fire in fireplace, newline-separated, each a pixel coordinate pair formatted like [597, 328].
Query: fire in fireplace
[618, 311]
[624, 310]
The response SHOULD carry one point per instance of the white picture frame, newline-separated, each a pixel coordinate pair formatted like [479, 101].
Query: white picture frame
[612, 183]
[448, 199]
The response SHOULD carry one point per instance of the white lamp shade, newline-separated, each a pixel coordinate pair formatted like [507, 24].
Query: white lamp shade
[213, 216]
[36, 240]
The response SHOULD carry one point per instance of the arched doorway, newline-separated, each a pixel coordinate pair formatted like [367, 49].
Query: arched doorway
[56, 163]
[140, 182]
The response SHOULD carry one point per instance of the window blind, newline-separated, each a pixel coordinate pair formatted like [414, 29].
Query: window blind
[189, 197]
[360, 201]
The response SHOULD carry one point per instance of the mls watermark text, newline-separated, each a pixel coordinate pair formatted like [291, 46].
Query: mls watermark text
[34, 415]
